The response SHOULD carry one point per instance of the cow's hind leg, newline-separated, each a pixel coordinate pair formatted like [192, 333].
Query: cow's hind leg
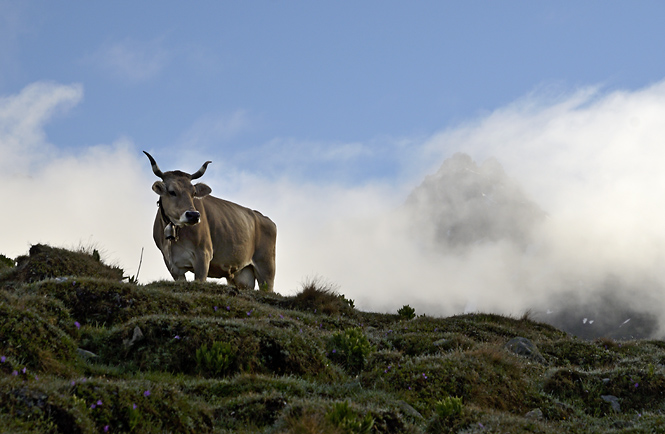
[244, 279]
[264, 268]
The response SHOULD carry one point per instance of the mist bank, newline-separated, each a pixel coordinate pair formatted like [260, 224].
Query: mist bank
[552, 204]
[470, 239]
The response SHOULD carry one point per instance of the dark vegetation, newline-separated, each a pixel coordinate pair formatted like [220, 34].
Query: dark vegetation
[84, 351]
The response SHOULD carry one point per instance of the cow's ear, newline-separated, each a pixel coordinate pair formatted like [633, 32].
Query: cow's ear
[159, 187]
[202, 190]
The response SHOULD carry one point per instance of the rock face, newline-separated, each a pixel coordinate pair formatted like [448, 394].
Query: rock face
[614, 402]
[526, 348]
[464, 203]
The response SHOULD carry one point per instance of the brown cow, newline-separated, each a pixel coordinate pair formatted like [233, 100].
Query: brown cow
[209, 236]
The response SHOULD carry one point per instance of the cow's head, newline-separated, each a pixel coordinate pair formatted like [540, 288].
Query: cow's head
[177, 193]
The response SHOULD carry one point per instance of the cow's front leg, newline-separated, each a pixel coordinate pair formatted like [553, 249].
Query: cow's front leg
[177, 273]
[201, 266]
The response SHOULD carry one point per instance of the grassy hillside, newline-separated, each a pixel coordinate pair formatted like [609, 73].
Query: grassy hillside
[82, 351]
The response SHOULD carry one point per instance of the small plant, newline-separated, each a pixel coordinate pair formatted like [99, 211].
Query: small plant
[350, 348]
[217, 360]
[349, 421]
[448, 416]
[449, 408]
[134, 417]
[407, 312]
[351, 303]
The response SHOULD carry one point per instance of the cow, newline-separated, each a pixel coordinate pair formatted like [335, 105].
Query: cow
[211, 237]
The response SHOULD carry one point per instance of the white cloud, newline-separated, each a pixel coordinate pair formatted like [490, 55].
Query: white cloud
[594, 161]
[21, 123]
[91, 197]
[131, 59]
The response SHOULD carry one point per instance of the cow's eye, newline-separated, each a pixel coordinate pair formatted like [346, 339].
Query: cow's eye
[172, 193]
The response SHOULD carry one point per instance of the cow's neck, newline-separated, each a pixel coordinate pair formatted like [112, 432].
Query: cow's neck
[170, 229]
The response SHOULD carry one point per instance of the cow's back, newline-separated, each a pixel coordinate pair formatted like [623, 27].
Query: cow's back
[238, 234]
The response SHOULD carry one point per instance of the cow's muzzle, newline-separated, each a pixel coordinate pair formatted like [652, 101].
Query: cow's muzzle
[191, 217]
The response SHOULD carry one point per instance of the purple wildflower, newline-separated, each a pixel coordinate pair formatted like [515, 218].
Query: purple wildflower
[146, 393]
[99, 402]
[134, 406]
[215, 308]
[281, 316]
[92, 406]
[2, 359]
[106, 428]
[228, 307]
[77, 324]
[636, 385]
[177, 337]
[73, 383]
[23, 370]
[15, 373]
[250, 312]
[424, 376]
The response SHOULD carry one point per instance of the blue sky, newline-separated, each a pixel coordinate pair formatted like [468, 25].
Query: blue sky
[324, 113]
[225, 77]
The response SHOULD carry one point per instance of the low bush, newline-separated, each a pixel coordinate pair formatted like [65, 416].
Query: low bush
[216, 361]
[348, 420]
[406, 312]
[349, 348]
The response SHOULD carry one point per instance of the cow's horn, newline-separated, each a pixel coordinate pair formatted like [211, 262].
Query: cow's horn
[201, 171]
[155, 167]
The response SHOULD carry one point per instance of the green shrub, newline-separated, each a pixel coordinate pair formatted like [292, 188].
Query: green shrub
[217, 361]
[350, 348]
[407, 312]
[448, 417]
[348, 420]
[449, 407]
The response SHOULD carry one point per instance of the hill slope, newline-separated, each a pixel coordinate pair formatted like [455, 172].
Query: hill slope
[83, 352]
